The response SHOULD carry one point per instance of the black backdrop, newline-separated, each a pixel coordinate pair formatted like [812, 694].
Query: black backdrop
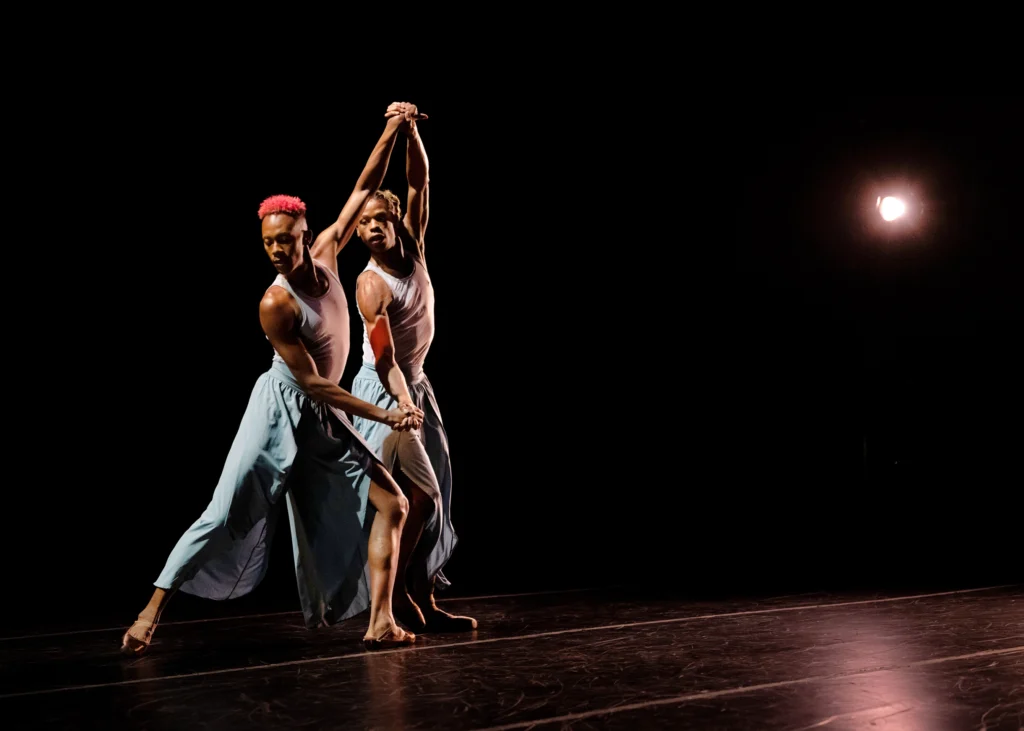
[668, 346]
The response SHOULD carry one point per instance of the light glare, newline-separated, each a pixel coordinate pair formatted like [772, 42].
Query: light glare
[891, 208]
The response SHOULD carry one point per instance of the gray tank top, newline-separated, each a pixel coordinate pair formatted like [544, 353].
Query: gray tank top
[411, 314]
[324, 325]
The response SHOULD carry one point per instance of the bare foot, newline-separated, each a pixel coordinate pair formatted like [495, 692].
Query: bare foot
[437, 620]
[407, 612]
[391, 635]
[138, 637]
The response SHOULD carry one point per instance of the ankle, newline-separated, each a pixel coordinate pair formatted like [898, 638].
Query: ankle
[382, 619]
[425, 600]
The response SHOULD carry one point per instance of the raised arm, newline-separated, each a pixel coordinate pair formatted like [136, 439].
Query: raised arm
[278, 315]
[332, 239]
[417, 173]
[373, 297]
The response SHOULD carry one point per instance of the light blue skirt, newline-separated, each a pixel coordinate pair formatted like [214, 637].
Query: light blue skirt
[422, 455]
[290, 447]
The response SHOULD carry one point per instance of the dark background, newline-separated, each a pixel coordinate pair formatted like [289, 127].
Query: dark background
[673, 345]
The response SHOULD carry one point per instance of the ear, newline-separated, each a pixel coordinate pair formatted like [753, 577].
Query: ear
[307, 237]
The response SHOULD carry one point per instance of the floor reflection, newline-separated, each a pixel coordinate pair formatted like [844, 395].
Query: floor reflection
[387, 685]
[877, 639]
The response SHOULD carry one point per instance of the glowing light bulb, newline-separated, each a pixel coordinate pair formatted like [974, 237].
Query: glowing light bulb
[891, 208]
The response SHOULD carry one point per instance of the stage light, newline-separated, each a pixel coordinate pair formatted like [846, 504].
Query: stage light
[891, 208]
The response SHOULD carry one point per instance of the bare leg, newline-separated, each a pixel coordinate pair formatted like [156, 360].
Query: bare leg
[420, 509]
[414, 604]
[136, 640]
[392, 509]
[436, 619]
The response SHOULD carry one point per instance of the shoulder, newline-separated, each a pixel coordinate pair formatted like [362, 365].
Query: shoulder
[325, 244]
[330, 266]
[326, 259]
[420, 263]
[278, 307]
[371, 282]
[372, 291]
[413, 245]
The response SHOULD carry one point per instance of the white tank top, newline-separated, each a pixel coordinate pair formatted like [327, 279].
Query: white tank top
[411, 314]
[324, 325]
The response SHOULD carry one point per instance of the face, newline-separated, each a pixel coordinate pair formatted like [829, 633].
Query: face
[283, 240]
[375, 227]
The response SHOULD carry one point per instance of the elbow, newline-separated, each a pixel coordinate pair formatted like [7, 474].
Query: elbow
[367, 185]
[311, 386]
[417, 178]
[384, 364]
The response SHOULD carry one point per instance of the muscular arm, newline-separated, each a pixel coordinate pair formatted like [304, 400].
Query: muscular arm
[417, 173]
[373, 297]
[278, 316]
[332, 240]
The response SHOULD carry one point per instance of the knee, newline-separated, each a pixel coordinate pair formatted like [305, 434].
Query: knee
[397, 509]
[433, 499]
[435, 503]
[427, 502]
[393, 505]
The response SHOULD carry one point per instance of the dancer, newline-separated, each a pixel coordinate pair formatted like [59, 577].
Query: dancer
[294, 442]
[396, 302]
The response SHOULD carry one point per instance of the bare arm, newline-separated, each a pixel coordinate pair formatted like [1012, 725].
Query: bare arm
[373, 297]
[278, 316]
[417, 173]
[332, 239]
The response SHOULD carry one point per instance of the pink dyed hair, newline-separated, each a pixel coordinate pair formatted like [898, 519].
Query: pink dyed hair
[282, 204]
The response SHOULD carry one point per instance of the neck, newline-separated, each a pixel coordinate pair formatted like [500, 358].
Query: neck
[306, 279]
[393, 260]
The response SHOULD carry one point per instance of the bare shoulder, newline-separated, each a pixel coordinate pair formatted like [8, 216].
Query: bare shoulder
[371, 283]
[372, 292]
[278, 308]
[325, 249]
[412, 244]
[323, 244]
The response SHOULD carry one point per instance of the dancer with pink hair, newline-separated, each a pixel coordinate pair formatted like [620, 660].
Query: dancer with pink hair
[296, 446]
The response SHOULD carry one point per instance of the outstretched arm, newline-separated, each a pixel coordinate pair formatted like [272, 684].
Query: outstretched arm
[417, 173]
[373, 297]
[332, 240]
[278, 317]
